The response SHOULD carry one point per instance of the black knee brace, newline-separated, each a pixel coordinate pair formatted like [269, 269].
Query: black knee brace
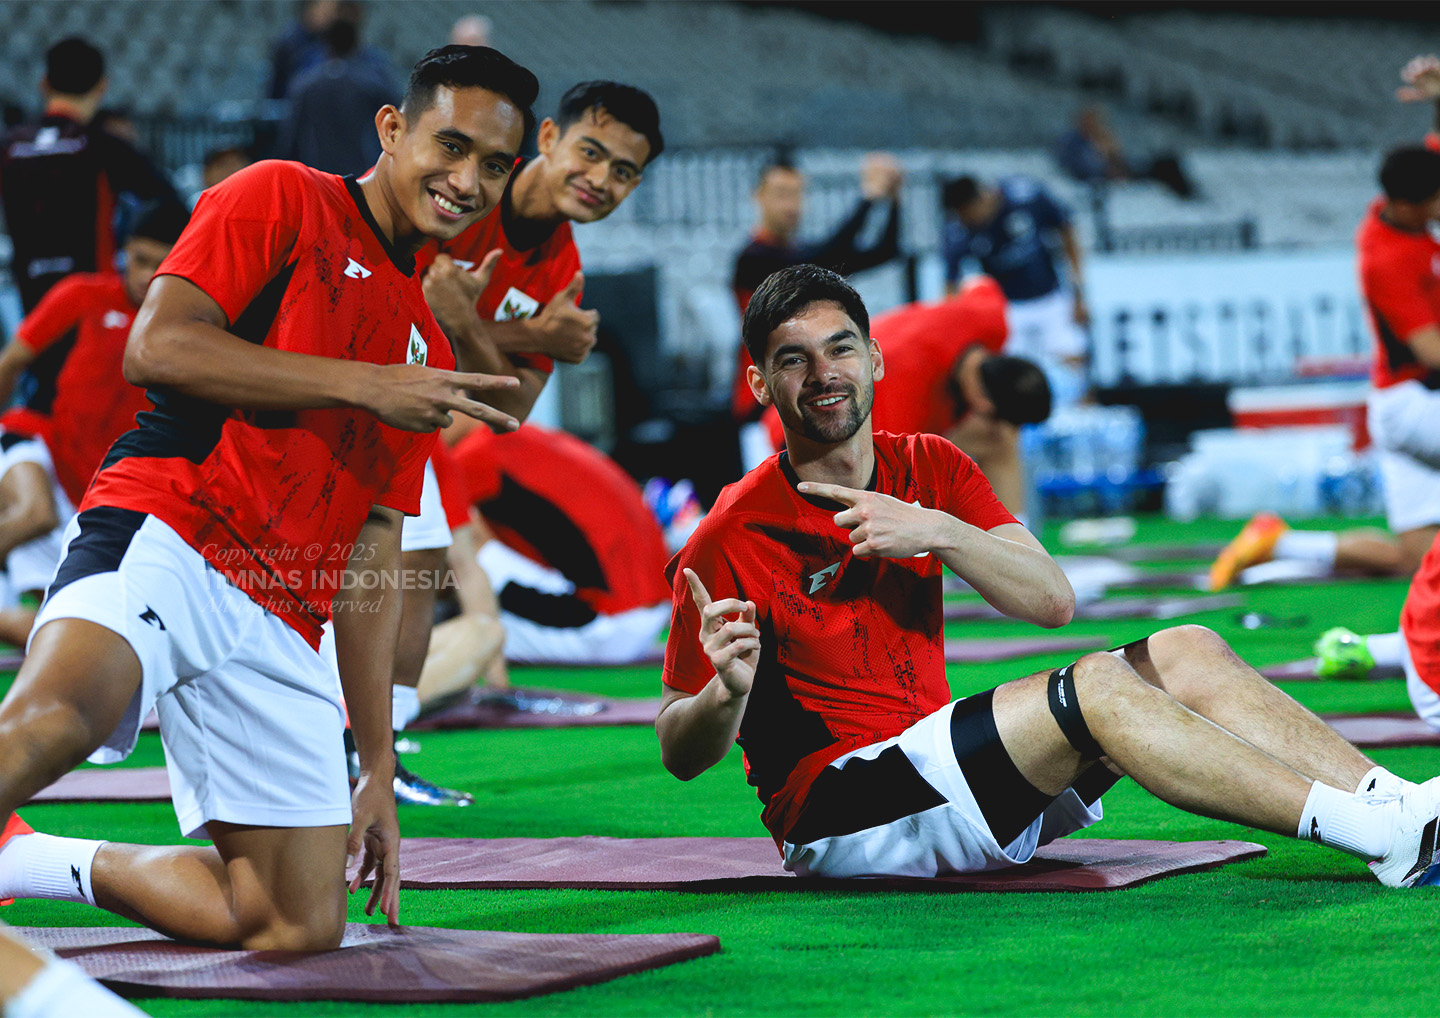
[1065, 706]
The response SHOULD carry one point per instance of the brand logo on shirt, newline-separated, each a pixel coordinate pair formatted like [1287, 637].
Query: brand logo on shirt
[418, 348]
[818, 580]
[516, 305]
[115, 320]
[357, 271]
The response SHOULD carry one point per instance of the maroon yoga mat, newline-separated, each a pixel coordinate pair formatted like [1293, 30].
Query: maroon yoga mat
[109, 784]
[1392, 728]
[412, 964]
[978, 651]
[1159, 608]
[746, 864]
[538, 708]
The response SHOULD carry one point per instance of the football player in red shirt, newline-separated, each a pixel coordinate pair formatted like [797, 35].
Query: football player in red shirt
[807, 627]
[42, 478]
[1399, 269]
[509, 285]
[291, 359]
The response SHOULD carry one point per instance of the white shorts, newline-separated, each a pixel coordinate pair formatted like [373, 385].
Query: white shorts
[31, 565]
[1424, 699]
[249, 714]
[1404, 421]
[430, 529]
[949, 835]
[605, 639]
[1044, 330]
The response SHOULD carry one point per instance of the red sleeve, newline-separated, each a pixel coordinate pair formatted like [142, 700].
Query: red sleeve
[1432, 141]
[58, 312]
[1397, 294]
[241, 234]
[452, 492]
[984, 304]
[403, 491]
[687, 667]
[961, 489]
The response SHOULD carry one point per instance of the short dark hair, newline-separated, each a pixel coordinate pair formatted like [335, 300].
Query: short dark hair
[162, 221]
[470, 67]
[1410, 174]
[73, 66]
[214, 155]
[1017, 387]
[787, 293]
[632, 106]
[784, 165]
[958, 193]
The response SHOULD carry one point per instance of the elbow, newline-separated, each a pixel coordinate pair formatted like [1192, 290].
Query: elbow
[1058, 609]
[141, 363]
[673, 762]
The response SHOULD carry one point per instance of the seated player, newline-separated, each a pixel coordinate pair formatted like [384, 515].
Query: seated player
[1420, 626]
[945, 375]
[573, 553]
[296, 401]
[807, 624]
[1397, 258]
[43, 477]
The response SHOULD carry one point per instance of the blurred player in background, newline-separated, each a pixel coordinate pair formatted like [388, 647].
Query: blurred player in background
[510, 286]
[1011, 231]
[1398, 259]
[945, 375]
[298, 379]
[61, 180]
[807, 626]
[44, 476]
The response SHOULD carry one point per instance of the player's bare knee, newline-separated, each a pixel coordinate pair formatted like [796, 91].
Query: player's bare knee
[319, 929]
[1107, 687]
[1185, 645]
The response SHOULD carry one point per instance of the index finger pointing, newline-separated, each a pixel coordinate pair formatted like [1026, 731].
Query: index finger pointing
[698, 593]
[834, 492]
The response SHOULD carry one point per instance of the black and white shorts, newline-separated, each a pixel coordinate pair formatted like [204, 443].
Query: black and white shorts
[941, 797]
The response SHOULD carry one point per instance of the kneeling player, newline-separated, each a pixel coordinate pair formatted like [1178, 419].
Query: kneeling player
[815, 637]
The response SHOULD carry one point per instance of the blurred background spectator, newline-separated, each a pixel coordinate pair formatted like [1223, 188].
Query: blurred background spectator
[1091, 153]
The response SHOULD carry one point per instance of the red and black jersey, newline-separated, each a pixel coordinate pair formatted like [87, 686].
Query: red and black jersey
[524, 281]
[852, 649]
[920, 344]
[94, 405]
[566, 505]
[275, 499]
[59, 181]
[1400, 281]
[1420, 618]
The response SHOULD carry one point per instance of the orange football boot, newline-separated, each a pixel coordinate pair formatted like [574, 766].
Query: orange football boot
[13, 828]
[1254, 544]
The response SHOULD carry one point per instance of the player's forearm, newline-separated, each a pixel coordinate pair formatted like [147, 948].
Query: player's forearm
[697, 731]
[199, 359]
[13, 362]
[1021, 581]
[519, 335]
[1071, 246]
[367, 627]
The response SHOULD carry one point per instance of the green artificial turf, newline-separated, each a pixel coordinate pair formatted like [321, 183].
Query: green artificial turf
[1302, 931]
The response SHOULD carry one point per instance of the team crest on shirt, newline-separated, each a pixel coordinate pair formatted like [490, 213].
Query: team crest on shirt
[516, 304]
[115, 320]
[418, 348]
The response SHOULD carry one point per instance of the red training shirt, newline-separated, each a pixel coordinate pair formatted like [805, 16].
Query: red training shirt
[523, 281]
[275, 499]
[566, 505]
[1400, 281]
[852, 649]
[1420, 618]
[94, 405]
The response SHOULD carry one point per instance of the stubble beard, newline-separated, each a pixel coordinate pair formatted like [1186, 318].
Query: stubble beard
[833, 432]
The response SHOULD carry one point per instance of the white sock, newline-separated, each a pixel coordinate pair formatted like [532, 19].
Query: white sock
[1308, 546]
[404, 706]
[44, 866]
[1388, 649]
[62, 988]
[1349, 822]
[1378, 783]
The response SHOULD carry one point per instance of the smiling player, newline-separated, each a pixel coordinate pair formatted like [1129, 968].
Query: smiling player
[291, 358]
